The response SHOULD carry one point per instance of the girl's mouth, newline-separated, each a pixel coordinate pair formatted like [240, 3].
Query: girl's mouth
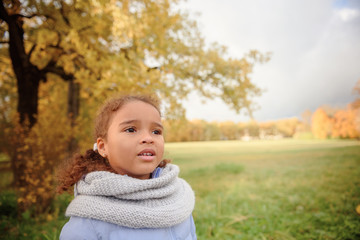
[147, 154]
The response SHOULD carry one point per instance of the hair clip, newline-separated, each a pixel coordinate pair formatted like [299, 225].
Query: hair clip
[95, 147]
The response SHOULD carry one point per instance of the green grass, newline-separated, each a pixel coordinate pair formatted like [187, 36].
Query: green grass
[287, 189]
[46, 226]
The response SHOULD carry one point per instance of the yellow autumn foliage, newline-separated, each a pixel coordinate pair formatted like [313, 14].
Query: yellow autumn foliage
[107, 47]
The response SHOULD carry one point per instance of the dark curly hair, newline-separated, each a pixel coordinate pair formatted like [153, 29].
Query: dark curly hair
[91, 161]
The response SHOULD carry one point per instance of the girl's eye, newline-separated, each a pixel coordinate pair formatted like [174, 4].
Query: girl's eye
[130, 130]
[157, 132]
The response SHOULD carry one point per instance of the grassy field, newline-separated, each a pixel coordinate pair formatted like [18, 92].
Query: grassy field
[273, 190]
[286, 189]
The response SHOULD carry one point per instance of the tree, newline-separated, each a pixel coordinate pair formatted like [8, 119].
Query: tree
[355, 106]
[344, 125]
[347, 121]
[229, 130]
[28, 76]
[212, 131]
[197, 130]
[83, 40]
[321, 124]
[177, 130]
[287, 127]
[104, 47]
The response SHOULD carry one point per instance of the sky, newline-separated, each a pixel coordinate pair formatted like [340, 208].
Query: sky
[315, 48]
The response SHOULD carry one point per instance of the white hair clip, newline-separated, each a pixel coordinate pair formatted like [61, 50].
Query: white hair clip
[95, 147]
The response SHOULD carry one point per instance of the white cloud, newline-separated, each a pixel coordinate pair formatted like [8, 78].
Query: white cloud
[347, 14]
[315, 49]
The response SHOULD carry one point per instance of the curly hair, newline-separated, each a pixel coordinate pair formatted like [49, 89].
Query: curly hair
[91, 161]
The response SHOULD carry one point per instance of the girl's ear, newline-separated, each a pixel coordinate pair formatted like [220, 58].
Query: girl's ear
[101, 147]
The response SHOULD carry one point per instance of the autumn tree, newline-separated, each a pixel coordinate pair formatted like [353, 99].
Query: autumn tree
[177, 130]
[251, 128]
[229, 130]
[344, 124]
[321, 124]
[287, 127]
[122, 42]
[347, 121]
[212, 131]
[36, 48]
[197, 130]
[104, 47]
[355, 106]
[267, 129]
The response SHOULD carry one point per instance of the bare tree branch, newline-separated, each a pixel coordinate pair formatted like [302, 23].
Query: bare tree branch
[3, 13]
[66, 19]
[24, 16]
[84, 28]
[52, 68]
[33, 15]
[31, 51]
[56, 46]
[152, 68]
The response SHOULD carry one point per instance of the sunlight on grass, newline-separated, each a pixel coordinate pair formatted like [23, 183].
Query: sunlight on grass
[288, 189]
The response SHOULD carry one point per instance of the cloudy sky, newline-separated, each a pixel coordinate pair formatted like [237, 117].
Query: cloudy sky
[315, 49]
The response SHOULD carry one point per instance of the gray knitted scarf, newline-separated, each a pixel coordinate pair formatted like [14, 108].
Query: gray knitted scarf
[152, 203]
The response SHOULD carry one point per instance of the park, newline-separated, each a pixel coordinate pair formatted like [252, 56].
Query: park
[258, 105]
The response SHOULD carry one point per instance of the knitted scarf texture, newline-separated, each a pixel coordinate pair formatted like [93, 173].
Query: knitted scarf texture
[152, 203]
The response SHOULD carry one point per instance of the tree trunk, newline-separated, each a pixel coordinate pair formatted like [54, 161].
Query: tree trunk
[28, 92]
[73, 112]
[28, 78]
[28, 87]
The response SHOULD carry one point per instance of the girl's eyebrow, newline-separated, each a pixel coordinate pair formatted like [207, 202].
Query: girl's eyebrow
[159, 125]
[128, 122]
[137, 121]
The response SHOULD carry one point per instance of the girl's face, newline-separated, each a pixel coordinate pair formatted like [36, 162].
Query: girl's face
[135, 142]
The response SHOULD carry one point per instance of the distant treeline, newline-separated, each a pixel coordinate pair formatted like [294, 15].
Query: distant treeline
[200, 130]
[325, 122]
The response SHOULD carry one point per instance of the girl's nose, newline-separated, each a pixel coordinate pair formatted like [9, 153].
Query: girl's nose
[147, 138]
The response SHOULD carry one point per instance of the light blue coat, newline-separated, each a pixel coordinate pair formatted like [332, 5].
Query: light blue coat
[78, 228]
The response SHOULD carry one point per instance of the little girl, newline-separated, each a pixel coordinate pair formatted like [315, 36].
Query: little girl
[123, 188]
